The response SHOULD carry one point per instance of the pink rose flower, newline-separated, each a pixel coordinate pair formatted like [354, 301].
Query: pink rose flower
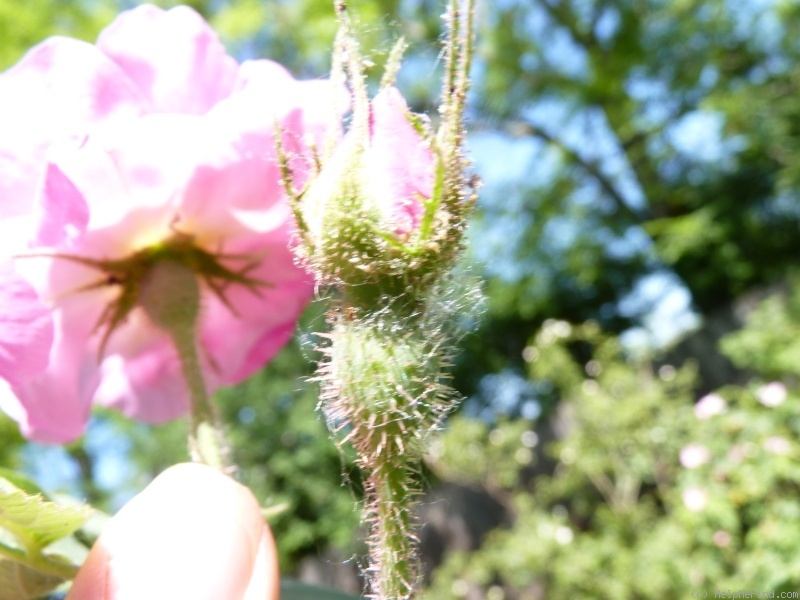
[152, 145]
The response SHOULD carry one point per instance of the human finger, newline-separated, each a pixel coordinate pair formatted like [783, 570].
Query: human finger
[192, 533]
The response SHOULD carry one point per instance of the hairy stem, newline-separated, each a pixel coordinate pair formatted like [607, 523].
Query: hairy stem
[393, 564]
[206, 444]
[384, 382]
[170, 295]
[381, 388]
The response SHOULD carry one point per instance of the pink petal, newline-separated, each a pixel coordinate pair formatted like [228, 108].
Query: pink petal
[54, 406]
[61, 89]
[174, 57]
[266, 95]
[141, 373]
[399, 164]
[277, 93]
[265, 78]
[87, 207]
[147, 386]
[238, 344]
[61, 212]
[234, 190]
[321, 104]
[131, 178]
[26, 329]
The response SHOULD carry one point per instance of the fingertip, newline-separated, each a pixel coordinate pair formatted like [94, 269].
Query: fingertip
[193, 533]
[265, 582]
[90, 583]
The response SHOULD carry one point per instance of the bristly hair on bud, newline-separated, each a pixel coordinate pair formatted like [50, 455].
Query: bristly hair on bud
[387, 210]
[381, 225]
[393, 63]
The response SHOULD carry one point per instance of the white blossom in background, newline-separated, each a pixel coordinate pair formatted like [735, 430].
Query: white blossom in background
[695, 499]
[772, 394]
[694, 455]
[777, 445]
[709, 406]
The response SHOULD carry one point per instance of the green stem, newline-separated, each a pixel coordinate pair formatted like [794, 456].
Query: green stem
[206, 443]
[393, 565]
[380, 387]
[170, 295]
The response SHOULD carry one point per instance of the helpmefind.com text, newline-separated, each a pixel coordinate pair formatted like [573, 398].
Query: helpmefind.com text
[743, 594]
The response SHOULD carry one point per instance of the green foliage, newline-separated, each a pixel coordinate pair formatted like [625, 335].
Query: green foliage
[639, 485]
[35, 522]
[20, 582]
[308, 55]
[29, 526]
[250, 27]
[23, 24]
[463, 454]
[623, 426]
[770, 343]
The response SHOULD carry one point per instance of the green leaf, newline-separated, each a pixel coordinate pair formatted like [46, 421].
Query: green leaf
[294, 590]
[19, 582]
[684, 234]
[35, 522]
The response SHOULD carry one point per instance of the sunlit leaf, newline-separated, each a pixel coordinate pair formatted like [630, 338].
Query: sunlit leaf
[35, 522]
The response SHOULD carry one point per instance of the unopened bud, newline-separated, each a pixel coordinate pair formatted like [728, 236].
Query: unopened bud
[368, 215]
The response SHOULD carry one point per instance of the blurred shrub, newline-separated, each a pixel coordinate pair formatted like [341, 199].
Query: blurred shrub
[645, 493]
